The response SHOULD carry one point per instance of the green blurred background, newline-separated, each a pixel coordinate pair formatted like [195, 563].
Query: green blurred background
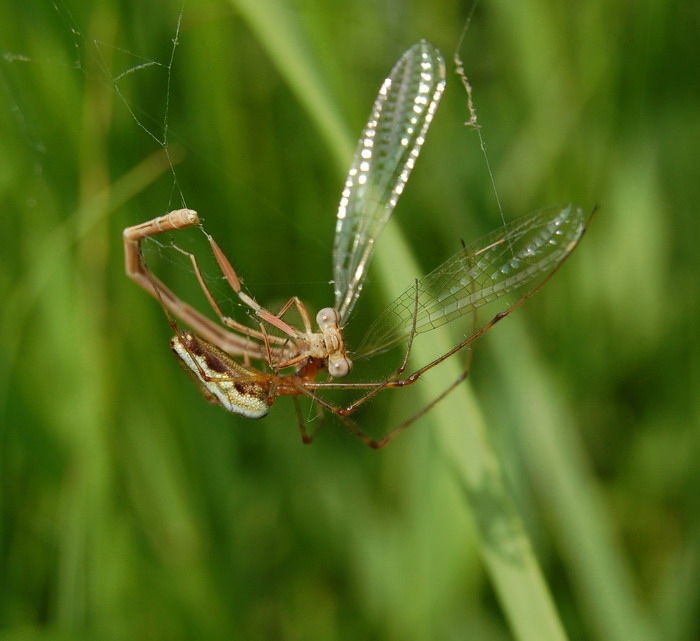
[131, 509]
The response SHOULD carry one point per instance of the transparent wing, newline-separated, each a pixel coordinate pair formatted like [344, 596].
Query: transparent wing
[384, 157]
[505, 260]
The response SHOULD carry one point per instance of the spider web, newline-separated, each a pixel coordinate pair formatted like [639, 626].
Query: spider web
[73, 49]
[77, 63]
[140, 72]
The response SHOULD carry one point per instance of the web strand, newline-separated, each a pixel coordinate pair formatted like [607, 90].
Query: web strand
[473, 121]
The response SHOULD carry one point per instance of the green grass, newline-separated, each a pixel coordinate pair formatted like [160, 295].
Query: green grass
[553, 497]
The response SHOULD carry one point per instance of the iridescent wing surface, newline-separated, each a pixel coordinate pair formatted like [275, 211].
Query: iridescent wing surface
[505, 260]
[384, 158]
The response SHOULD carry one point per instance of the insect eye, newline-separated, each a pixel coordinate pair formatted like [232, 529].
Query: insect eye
[327, 316]
[340, 367]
